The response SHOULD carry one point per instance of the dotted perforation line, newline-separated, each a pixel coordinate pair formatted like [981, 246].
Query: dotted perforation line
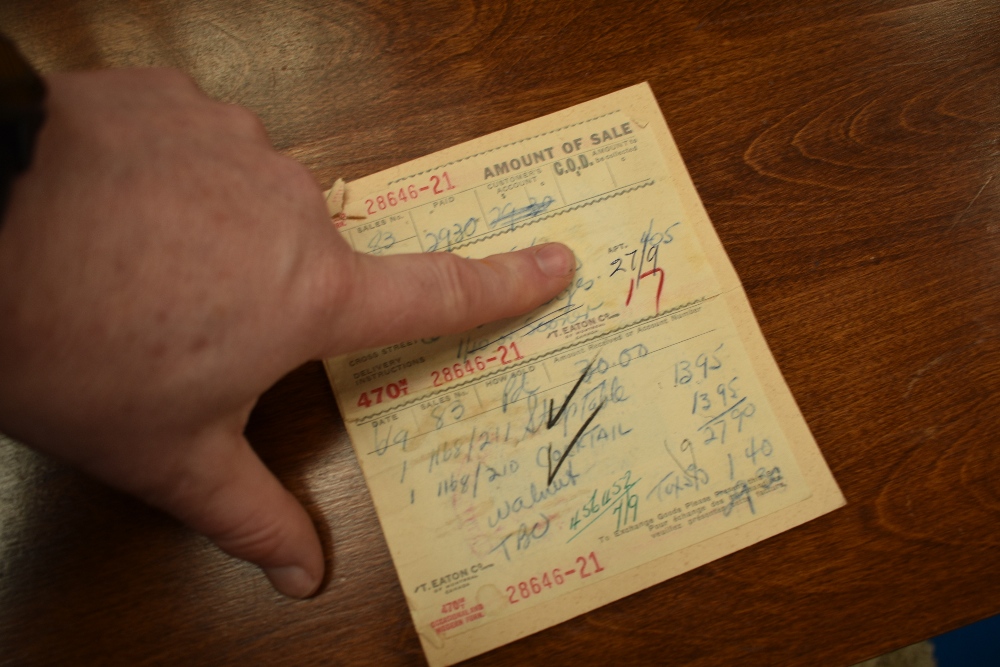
[496, 148]
[532, 360]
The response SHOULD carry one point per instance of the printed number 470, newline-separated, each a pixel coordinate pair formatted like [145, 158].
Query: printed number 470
[390, 391]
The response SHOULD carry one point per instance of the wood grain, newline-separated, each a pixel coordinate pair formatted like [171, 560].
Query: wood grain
[847, 153]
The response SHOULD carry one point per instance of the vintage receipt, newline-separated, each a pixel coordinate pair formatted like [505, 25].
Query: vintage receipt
[632, 429]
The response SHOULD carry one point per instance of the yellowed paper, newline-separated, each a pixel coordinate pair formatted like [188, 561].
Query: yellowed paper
[634, 428]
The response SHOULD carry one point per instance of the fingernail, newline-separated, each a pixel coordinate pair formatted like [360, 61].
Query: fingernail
[555, 259]
[292, 580]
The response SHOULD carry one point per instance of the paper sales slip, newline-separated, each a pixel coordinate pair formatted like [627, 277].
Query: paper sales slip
[633, 428]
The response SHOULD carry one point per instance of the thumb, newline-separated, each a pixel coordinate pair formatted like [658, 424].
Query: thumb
[224, 491]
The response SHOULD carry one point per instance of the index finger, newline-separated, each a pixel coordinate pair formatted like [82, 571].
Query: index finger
[401, 297]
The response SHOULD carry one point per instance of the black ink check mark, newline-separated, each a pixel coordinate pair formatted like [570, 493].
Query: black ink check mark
[552, 421]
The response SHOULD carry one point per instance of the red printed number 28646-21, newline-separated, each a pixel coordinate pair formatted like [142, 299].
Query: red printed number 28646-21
[504, 354]
[586, 566]
[436, 184]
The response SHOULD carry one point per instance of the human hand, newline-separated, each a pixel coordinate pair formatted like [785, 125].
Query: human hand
[161, 266]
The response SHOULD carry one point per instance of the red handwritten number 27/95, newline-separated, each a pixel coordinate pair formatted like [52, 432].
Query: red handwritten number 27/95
[438, 185]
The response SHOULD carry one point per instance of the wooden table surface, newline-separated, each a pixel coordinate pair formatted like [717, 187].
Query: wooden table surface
[848, 153]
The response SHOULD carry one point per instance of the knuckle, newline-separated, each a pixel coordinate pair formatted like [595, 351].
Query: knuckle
[169, 76]
[297, 178]
[254, 540]
[191, 490]
[457, 288]
[243, 121]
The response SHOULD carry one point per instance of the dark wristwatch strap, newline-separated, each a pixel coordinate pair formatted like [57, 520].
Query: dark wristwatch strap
[22, 97]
